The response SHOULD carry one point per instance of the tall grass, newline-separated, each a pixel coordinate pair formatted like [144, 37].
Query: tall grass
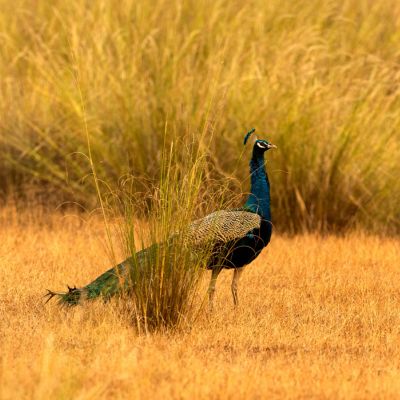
[320, 78]
[165, 280]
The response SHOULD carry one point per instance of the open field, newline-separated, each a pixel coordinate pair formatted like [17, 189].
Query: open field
[319, 318]
[138, 108]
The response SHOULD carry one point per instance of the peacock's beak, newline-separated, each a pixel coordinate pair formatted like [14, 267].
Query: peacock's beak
[271, 146]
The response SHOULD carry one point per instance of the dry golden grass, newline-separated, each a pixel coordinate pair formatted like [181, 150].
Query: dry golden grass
[319, 317]
[320, 79]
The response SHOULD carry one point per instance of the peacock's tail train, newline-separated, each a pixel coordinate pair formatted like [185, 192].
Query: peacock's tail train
[117, 280]
[111, 282]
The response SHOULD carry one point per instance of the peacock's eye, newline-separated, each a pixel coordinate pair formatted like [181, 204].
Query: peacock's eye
[261, 145]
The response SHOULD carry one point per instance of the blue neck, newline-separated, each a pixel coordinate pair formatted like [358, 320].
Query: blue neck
[259, 198]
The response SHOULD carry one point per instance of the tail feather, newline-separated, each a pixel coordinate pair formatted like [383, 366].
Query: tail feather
[109, 283]
[117, 280]
[70, 298]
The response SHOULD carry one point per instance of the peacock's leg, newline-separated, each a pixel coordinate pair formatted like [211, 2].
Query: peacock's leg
[236, 276]
[211, 288]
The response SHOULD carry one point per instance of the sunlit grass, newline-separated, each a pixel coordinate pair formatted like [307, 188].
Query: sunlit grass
[318, 318]
[163, 281]
[320, 78]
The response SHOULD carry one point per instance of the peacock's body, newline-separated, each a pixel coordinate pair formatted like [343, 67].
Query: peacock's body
[237, 237]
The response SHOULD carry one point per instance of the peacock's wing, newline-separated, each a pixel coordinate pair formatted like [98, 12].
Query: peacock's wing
[223, 226]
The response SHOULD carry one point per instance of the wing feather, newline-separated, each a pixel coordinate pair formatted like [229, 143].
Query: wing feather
[223, 226]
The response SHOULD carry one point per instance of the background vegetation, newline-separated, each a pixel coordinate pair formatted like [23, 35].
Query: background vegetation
[320, 78]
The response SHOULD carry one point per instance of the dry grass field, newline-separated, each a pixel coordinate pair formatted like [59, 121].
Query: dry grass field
[138, 108]
[320, 79]
[319, 318]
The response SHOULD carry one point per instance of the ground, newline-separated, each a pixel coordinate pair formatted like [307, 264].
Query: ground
[318, 318]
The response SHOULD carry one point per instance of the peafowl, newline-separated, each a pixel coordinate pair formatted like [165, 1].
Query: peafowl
[237, 237]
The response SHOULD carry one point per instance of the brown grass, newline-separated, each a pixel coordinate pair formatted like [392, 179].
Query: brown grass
[319, 318]
[320, 79]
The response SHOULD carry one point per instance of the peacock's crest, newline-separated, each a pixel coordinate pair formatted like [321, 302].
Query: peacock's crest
[248, 134]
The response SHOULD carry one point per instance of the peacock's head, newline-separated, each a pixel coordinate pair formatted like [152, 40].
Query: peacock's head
[260, 145]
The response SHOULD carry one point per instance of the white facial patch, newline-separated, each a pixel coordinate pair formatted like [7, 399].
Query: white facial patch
[261, 145]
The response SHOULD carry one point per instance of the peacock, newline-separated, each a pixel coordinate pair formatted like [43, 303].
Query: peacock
[237, 237]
